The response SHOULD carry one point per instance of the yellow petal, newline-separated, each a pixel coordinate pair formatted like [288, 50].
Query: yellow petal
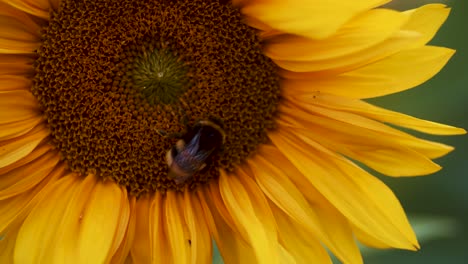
[7, 244]
[305, 249]
[360, 33]
[141, 250]
[16, 208]
[159, 240]
[62, 246]
[122, 226]
[17, 148]
[37, 152]
[361, 198]
[175, 226]
[14, 82]
[19, 128]
[368, 239]
[214, 197]
[422, 25]
[14, 20]
[226, 238]
[101, 223]
[365, 109]
[396, 73]
[250, 213]
[329, 227]
[310, 18]
[150, 244]
[332, 220]
[18, 47]
[13, 29]
[40, 225]
[200, 240]
[124, 249]
[15, 64]
[384, 152]
[426, 20]
[17, 105]
[39, 8]
[26, 177]
[333, 66]
[356, 124]
[255, 23]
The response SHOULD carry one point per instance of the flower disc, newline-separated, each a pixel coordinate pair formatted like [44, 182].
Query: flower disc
[111, 74]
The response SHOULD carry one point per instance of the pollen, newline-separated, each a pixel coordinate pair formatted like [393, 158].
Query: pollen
[110, 75]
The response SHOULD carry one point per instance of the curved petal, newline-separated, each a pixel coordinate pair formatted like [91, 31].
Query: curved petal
[214, 197]
[7, 244]
[36, 228]
[123, 225]
[159, 242]
[251, 214]
[390, 75]
[62, 246]
[232, 247]
[15, 64]
[124, 249]
[13, 29]
[17, 148]
[363, 32]
[14, 82]
[16, 21]
[389, 154]
[362, 108]
[17, 105]
[272, 178]
[361, 198]
[305, 249]
[103, 226]
[200, 240]
[86, 226]
[28, 176]
[334, 66]
[16, 208]
[36, 153]
[174, 224]
[151, 244]
[330, 217]
[141, 250]
[426, 20]
[361, 129]
[329, 56]
[18, 47]
[39, 8]
[368, 239]
[310, 18]
[19, 128]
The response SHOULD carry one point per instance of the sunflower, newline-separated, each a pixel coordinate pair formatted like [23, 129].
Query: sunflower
[95, 94]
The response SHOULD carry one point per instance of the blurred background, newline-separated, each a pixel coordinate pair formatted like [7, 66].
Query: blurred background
[437, 204]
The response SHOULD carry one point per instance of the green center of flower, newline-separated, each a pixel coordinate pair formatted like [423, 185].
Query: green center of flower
[120, 82]
[158, 75]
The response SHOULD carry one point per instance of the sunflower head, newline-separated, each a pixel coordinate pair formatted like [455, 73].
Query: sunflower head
[139, 131]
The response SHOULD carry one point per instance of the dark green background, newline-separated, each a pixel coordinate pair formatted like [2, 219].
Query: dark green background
[444, 194]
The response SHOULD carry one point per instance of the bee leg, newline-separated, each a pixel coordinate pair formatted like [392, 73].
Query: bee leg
[185, 119]
[164, 133]
[217, 120]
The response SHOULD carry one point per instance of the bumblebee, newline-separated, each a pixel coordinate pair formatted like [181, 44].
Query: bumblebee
[190, 153]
